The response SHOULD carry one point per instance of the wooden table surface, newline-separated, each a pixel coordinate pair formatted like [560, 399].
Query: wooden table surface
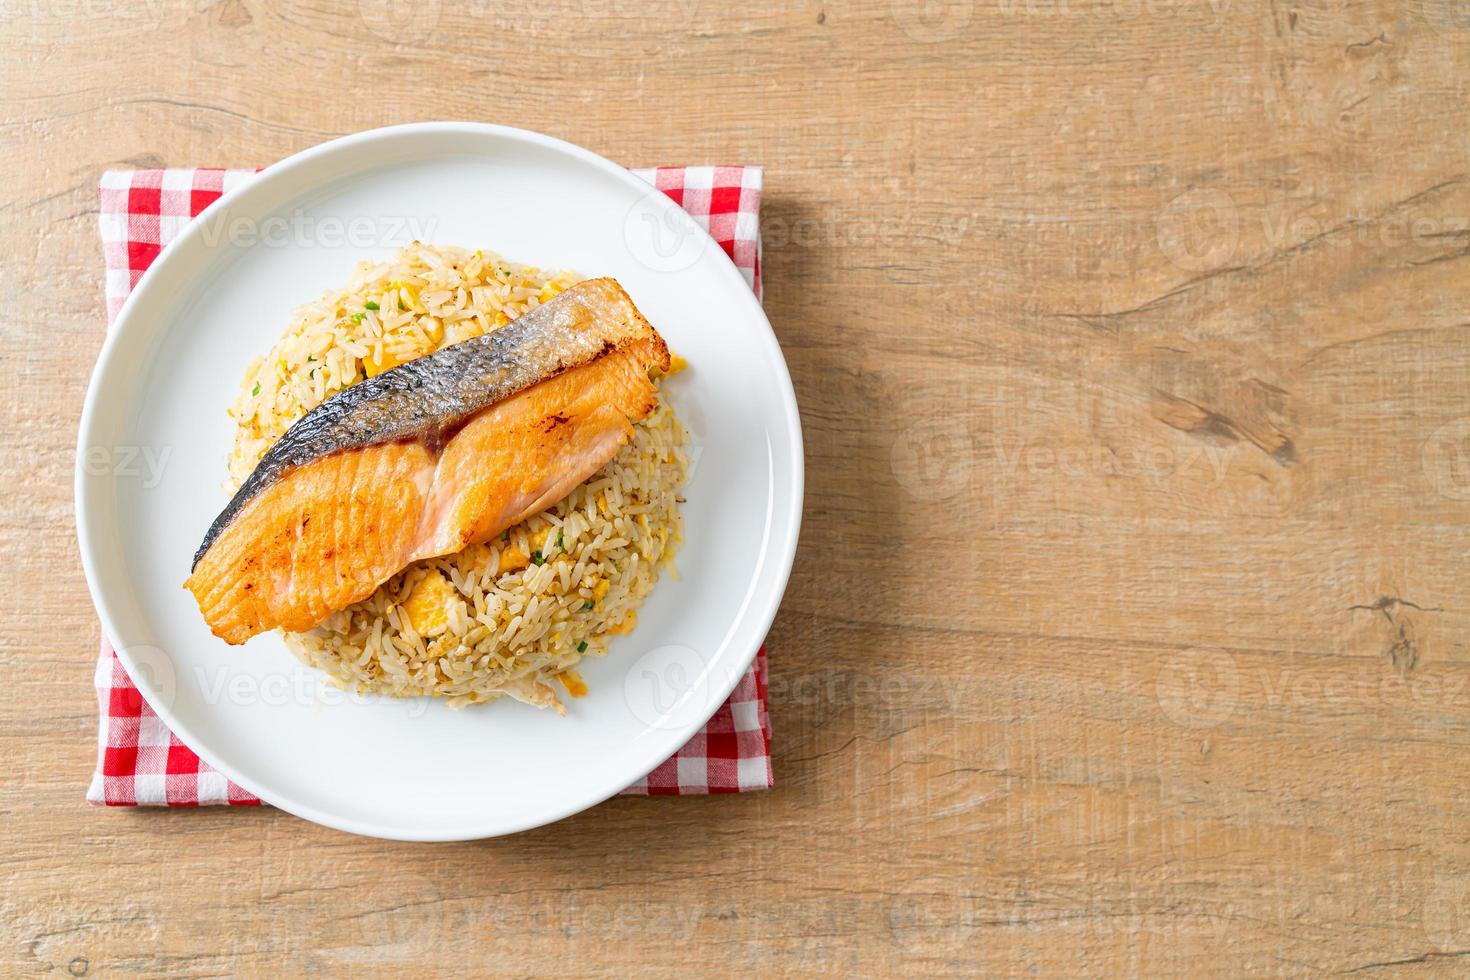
[1127, 630]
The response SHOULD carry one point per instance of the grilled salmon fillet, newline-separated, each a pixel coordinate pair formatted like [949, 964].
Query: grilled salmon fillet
[425, 459]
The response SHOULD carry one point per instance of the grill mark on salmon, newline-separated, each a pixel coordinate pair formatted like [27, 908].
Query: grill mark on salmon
[439, 453]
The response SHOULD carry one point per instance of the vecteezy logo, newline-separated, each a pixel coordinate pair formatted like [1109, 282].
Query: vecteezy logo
[669, 687]
[934, 459]
[152, 670]
[1198, 688]
[661, 236]
[1446, 459]
[400, 20]
[931, 21]
[1199, 229]
[1446, 15]
[1447, 913]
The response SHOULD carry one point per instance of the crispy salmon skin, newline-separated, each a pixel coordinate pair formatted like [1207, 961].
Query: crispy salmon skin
[427, 458]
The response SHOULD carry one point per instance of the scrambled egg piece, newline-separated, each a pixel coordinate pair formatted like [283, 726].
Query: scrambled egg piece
[402, 295]
[626, 626]
[572, 681]
[461, 330]
[382, 359]
[473, 558]
[676, 364]
[376, 363]
[513, 559]
[427, 606]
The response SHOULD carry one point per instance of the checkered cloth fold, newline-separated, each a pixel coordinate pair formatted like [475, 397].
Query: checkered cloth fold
[141, 762]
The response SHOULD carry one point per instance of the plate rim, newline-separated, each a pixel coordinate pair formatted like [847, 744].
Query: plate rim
[85, 485]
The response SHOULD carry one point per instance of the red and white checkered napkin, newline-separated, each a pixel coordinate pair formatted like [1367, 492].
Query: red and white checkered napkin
[141, 762]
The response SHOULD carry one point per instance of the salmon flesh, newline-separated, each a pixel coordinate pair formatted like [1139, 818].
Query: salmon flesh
[427, 458]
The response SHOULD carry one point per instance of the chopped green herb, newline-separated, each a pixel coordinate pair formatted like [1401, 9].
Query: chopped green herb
[536, 558]
[310, 358]
[558, 541]
[401, 307]
[357, 317]
[371, 305]
[588, 604]
[255, 391]
[582, 647]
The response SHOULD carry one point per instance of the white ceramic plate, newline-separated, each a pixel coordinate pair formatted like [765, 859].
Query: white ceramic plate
[155, 435]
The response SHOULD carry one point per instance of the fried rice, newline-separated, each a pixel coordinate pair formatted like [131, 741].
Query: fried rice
[515, 615]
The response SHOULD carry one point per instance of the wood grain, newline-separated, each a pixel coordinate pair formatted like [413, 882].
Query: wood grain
[1127, 631]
